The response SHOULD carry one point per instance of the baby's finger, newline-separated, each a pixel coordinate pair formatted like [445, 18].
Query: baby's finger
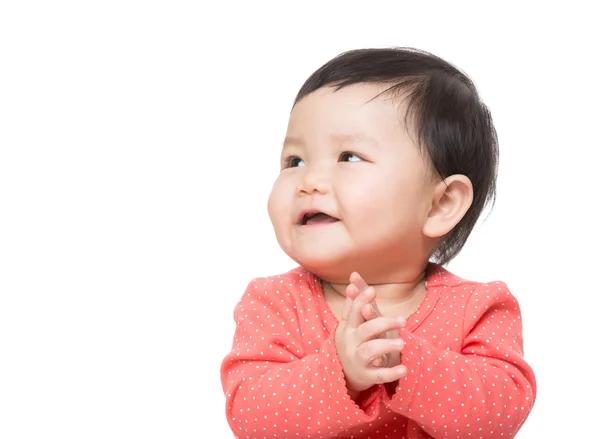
[357, 280]
[390, 359]
[378, 362]
[352, 291]
[379, 327]
[388, 374]
[351, 294]
[374, 349]
[355, 318]
[368, 311]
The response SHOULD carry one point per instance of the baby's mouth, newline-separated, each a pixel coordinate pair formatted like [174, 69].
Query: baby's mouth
[312, 218]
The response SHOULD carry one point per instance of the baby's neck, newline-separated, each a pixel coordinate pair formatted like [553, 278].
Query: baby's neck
[393, 299]
[393, 293]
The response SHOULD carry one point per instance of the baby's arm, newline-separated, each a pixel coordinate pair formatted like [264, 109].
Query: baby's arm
[272, 389]
[486, 390]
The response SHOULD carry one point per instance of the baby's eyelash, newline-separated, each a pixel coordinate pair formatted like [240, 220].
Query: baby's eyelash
[349, 153]
[295, 161]
[291, 161]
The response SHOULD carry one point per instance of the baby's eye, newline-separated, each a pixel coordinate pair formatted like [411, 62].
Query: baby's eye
[294, 162]
[349, 157]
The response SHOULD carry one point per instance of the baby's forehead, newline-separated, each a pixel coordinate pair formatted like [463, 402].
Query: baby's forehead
[357, 114]
[358, 94]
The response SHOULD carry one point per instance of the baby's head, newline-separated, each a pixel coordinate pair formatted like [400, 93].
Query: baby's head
[388, 162]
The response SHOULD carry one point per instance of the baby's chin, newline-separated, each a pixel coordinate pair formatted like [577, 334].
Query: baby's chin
[328, 268]
[336, 266]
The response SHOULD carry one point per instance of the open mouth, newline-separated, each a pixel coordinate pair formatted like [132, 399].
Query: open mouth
[315, 217]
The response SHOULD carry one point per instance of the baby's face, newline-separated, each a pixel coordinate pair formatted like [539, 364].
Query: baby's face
[354, 190]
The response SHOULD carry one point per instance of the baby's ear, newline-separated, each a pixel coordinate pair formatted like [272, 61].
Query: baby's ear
[452, 197]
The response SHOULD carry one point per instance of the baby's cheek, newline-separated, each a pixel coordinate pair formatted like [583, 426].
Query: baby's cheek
[277, 205]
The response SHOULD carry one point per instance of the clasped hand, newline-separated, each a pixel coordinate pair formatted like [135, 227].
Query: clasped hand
[368, 344]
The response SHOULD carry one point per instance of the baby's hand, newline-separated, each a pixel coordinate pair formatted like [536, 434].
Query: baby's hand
[359, 342]
[370, 311]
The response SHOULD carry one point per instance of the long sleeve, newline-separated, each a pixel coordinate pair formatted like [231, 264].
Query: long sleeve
[485, 390]
[278, 386]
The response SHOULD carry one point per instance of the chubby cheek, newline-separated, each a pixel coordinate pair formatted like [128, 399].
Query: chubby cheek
[279, 207]
[376, 211]
[383, 209]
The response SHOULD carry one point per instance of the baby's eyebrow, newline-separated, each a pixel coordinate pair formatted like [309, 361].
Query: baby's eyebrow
[292, 141]
[353, 138]
[335, 138]
[348, 137]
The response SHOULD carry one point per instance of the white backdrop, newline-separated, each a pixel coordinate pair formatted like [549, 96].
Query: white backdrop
[138, 145]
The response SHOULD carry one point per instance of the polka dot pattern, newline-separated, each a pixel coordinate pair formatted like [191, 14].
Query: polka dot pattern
[467, 377]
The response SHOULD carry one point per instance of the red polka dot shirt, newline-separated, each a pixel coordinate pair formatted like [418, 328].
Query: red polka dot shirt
[467, 377]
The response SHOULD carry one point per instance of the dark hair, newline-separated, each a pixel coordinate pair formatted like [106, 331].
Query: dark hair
[445, 113]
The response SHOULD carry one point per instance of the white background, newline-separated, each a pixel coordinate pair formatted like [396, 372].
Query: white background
[138, 145]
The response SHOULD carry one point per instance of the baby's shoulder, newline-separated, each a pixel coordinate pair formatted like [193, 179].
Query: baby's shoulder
[457, 287]
[291, 278]
[292, 284]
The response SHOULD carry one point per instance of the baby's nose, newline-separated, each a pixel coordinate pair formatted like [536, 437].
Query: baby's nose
[314, 180]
